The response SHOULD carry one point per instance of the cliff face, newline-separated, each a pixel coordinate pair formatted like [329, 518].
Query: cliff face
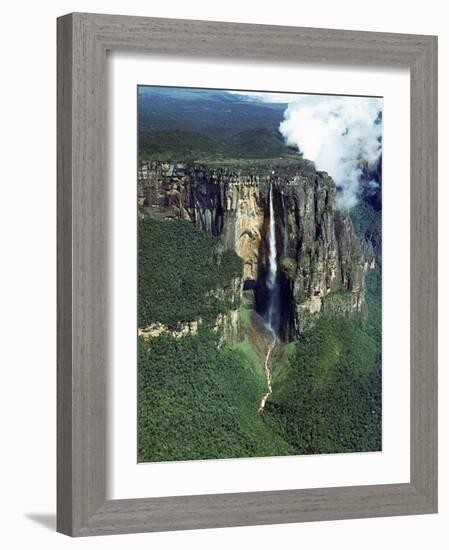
[221, 202]
[321, 260]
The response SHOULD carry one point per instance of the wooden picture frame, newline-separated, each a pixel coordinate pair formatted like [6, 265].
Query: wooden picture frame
[83, 40]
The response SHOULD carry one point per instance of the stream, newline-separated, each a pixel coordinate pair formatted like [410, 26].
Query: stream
[267, 375]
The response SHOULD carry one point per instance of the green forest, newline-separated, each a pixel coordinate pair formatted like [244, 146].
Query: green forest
[196, 399]
[199, 399]
[179, 266]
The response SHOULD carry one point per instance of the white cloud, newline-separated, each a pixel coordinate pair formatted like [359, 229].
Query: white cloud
[336, 133]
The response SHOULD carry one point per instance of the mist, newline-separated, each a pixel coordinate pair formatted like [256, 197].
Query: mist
[340, 135]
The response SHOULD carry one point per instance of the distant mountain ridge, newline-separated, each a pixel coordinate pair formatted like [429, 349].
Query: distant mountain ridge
[194, 123]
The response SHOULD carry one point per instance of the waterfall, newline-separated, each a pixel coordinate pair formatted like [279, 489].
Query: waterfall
[272, 282]
[285, 247]
[273, 268]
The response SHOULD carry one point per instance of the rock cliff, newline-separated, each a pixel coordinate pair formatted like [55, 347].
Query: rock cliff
[322, 262]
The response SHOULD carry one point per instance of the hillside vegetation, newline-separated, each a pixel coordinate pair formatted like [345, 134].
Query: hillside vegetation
[199, 400]
[328, 398]
[179, 267]
[196, 400]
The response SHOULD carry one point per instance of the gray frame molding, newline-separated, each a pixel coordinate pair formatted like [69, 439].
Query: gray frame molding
[83, 40]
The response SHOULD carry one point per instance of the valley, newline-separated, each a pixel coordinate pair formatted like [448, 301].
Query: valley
[258, 260]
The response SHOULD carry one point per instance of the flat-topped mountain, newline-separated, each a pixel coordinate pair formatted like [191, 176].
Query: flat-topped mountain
[321, 261]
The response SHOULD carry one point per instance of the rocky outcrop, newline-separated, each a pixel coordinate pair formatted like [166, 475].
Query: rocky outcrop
[226, 324]
[322, 262]
[157, 329]
[243, 224]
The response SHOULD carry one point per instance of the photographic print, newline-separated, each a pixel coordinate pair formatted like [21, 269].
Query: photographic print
[259, 274]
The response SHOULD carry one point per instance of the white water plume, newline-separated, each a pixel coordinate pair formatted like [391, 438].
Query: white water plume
[272, 246]
[286, 239]
[339, 134]
[272, 267]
